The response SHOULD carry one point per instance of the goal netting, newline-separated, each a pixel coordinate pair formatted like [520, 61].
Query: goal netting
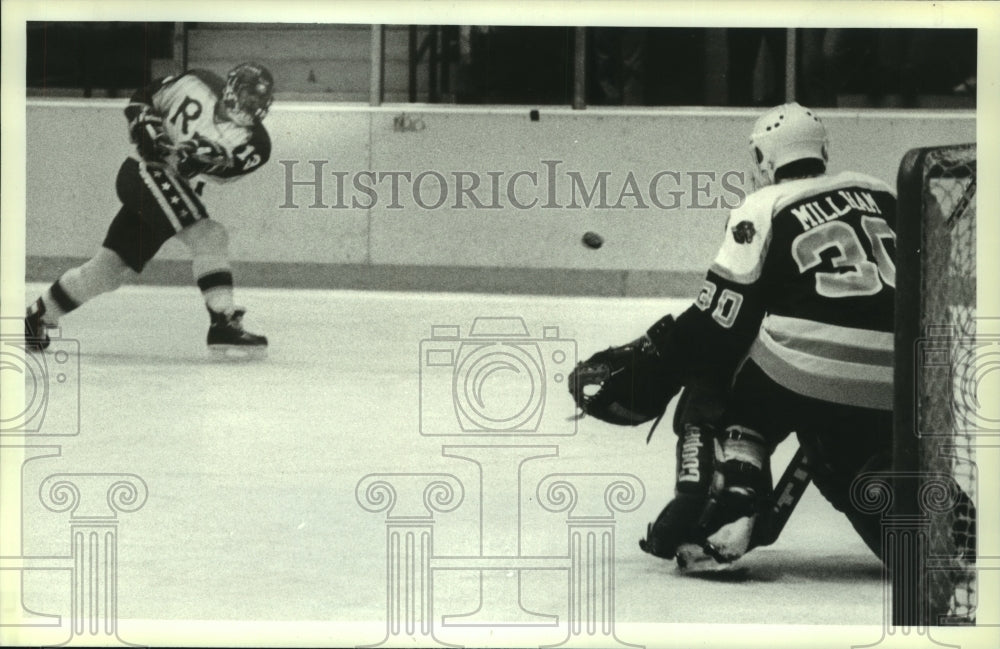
[936, 402]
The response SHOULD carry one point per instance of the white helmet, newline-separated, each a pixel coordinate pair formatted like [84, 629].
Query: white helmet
[785, 134]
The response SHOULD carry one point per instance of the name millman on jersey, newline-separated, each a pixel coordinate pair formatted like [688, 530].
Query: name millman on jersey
[816, 212]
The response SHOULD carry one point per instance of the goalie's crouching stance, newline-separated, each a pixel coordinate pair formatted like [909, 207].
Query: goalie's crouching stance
[724, 504]
[723, 484]
[792, 331]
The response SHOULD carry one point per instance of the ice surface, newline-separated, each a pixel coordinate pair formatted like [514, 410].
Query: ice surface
[252, 467]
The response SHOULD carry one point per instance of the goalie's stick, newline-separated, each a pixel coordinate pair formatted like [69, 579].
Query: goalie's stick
[785, 496]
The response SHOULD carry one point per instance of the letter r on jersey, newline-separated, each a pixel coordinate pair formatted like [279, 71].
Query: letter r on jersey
[189, 109]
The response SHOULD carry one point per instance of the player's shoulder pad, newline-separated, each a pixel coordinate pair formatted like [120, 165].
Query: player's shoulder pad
[865, 181]
[748, 233]
[143, 97]
[197, 83]
[796, 190]
[159, 82]
[209, 78]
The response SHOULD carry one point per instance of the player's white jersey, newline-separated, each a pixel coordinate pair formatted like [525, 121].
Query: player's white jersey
[808, 265]
[188, 105]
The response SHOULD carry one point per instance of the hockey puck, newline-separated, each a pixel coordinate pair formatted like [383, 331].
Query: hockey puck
[593, 240]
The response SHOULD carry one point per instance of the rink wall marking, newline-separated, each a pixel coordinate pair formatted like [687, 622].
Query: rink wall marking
[526, 281]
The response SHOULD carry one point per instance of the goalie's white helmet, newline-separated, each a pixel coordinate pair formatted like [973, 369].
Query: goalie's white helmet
[785, 134]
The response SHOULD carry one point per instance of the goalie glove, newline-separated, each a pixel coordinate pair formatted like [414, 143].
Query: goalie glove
[199, 155]
[148, 135]
[626, 386]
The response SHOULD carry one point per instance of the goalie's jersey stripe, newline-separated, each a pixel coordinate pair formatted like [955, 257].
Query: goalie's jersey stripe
[839, 364]
[830, 341]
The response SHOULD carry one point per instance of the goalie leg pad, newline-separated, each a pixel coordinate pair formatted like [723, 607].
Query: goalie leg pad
[696, 451]
[677, 523]
[675, 526]
[692, 559]
[740, 483]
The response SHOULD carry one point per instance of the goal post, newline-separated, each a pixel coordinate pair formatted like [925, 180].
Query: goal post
[931, 551]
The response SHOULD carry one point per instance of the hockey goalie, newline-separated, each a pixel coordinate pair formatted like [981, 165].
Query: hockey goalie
[791, 332]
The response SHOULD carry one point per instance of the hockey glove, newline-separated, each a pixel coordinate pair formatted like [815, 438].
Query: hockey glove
[199, 155]
[147, 132]
[626, 386]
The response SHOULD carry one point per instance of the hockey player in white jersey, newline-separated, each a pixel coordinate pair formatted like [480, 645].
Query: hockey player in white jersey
[187, 129]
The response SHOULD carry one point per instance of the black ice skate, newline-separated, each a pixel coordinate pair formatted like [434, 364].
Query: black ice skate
[227, 339]
[36, 338]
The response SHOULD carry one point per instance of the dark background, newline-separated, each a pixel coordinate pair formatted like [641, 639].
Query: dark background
[652, 66]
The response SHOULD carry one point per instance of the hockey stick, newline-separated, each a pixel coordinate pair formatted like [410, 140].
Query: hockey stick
[184, 149]
[785, 496]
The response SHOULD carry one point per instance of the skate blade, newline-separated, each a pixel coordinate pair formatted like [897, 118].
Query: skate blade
[229, 353]
[692, 561]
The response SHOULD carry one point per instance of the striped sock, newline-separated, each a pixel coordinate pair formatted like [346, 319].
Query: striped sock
[217, 289]
[57, 303]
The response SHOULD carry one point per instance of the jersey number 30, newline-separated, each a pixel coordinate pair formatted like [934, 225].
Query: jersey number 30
[860, 276]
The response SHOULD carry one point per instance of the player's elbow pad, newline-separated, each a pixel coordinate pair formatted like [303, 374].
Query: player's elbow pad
[148, 134]
[693, 345]
[660, 337]
[660, 332]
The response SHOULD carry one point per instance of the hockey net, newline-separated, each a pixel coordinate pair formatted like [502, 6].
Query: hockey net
[936, 401]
